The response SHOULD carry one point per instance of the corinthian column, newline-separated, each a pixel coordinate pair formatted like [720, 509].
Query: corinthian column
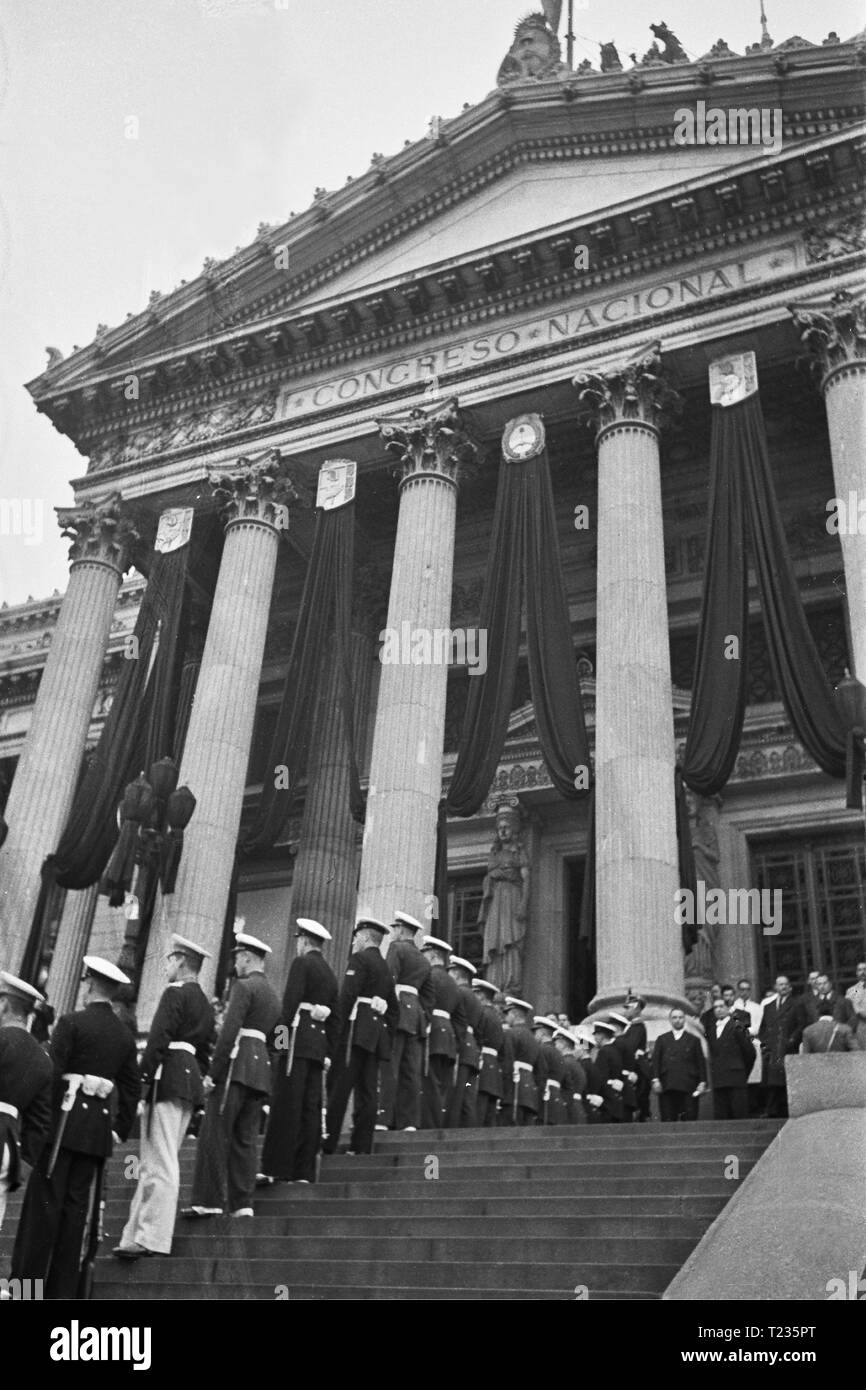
[47, 772]
[638, 943]
[399, 850]
[835, 331]
[217, 748]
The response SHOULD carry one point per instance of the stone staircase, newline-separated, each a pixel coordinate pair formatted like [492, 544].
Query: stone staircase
[474, 1214]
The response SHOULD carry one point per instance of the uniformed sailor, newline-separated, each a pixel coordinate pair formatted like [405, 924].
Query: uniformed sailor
[490, 1036]
[25, 1084]
[572, 1047]
[463, 1109]
[175, 1059]
[310, 1026]
[368, 1016]
[523, 1070]
[552, 1108]
[444, 1038]
[95, 1093]
[636, 1049]
[608, 1080]
[400, 1082]
[239, 1084]
[626, 1049]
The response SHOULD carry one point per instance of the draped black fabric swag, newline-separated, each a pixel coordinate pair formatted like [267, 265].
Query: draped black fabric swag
[741, 491]
[523, 558]
[327, 591]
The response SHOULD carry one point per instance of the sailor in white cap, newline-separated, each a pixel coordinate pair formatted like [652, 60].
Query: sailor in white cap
[608, 1068]
[636, 1051]
[400, 1081]
[239, 1084]
[574, 1076]
[175, 1059]
[463, 1109]
[368, 1015]
[445, 1037]
[25, 1084]
[95, 1096]
[523, 1070]
[306, 1043]
[552, 1107]
[628, 1067]
[491, 1038]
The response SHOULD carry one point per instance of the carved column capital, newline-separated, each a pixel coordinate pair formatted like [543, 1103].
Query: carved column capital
[258, 490]
[429, 442]
[637, 392]
[834, 331]
[101, 532]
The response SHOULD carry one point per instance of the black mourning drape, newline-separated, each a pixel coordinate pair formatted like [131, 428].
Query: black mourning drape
[742, 496]
[327, 592]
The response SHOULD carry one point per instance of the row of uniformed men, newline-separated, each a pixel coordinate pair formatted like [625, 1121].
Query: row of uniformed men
[417, 1028]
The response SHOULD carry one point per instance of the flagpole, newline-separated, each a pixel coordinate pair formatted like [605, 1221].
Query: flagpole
[569, 37]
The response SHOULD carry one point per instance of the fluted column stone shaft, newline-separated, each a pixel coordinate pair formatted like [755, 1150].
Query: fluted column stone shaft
[638, 943]
[217, 748]
[48, 769]
[399, 848]
[836, 334]
[71, 947]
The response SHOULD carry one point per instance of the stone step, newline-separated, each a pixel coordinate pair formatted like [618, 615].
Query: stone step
[641, 1136]
[155, 1291]
[577, 1173]
[472, 1159]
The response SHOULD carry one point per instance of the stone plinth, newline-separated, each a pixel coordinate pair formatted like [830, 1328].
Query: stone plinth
[826, 1081]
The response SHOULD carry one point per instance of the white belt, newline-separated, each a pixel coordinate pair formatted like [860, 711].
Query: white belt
[318, 1012]
[91, 1086]
[181, 1047]
[489, 1052]
[7, 1109]
[442, 1013]
[245, 1033]
[523, 1066]
[551, 1084]
[406, 989]
[377, 1004]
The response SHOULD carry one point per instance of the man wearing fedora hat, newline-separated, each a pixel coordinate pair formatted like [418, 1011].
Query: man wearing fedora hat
[239, 1084]
[310, 1024]
[175, 1060]
[95, 1097]
[368, 1014]
[25, 1084]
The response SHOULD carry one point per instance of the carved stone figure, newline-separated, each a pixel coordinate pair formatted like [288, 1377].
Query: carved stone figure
[673, 51]
[505, 901]
[535, 53]
[610, 60]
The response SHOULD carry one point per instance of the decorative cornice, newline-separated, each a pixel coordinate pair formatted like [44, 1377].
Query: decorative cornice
[429, 442]
[636, 392]
[834, 332]
[101, 532]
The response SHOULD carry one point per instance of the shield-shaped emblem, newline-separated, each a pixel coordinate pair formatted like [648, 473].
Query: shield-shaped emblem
[733, 379]
[175, 527]
[336, 483]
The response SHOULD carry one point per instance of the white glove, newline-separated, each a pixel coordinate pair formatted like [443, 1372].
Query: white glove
[378, 1004]
[632, 1076]
[319, 1012]
[327, 1064]
[595, 1101]
[116, 1137]
[615, 1085]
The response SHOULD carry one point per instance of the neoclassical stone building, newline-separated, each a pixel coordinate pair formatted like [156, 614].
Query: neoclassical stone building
[555, 229]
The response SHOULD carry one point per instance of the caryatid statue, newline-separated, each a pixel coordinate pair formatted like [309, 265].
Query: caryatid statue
[505, 901]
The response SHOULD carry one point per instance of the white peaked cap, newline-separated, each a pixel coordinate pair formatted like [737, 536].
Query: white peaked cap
[104, 968]
[183, 943]
[19, 989]
[464, 964]
[245, 942]
[487, 985]
[619, 1018]
[542, 1021]
[435, 943]
[311, 928]
[407, 920]
[511, 1002]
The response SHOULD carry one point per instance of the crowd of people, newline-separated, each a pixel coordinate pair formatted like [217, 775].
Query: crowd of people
[413, 1035]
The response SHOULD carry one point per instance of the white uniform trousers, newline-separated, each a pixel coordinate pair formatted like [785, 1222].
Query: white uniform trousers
[154, 1206]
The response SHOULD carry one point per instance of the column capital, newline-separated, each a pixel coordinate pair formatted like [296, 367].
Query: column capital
[635, 392]
[834, 331]
[258, 490]
[434, 442]
[101, 532]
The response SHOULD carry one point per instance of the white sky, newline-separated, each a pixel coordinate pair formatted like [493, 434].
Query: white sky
[244, 108]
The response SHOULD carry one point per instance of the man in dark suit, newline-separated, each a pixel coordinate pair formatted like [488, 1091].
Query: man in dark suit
[95, 1096]
[780, 1034]
[490, 1035]
[238, 1085]
[826, 1034]
[369, 1011]
[400, 1080]
[814, 1003]
[445, 1037]
[175, 1060]
[310, 1026]
[25, 1085]
[679, 1071]
[731, 1057]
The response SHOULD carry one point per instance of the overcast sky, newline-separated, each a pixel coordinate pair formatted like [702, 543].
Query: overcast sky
[244, 107]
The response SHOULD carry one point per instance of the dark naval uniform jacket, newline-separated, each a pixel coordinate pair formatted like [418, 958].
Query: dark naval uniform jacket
[470, 1048]
[311, 981]
[554, 1069]
[608, 1066]
[448, 1016]
[491, 1036]
[522, 1046]
[367, 977]
[183, 1015]
[93, 1042]
[238, 1058]
[573, 1086]
[411, 972]
[25, 1086]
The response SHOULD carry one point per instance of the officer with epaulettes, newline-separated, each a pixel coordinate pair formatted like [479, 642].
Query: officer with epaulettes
[25, 1084]
[176, 1058]
[95, 1098]
[552, 1108]
[490, 1035]
[636, 1052]
[368, 1015]
[463, 1110]
[307, 1034]
[400, 1080]
[572, 1047]
[445, 1036]
[523, 1070]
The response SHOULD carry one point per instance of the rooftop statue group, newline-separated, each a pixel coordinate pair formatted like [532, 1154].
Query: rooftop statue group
[536, 50]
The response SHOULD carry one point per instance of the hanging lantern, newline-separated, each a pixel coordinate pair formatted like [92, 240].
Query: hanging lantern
[133, 812]
[178, 814]
[850, 695]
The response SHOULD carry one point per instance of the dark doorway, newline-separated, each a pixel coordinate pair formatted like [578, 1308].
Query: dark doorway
[580, 954]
